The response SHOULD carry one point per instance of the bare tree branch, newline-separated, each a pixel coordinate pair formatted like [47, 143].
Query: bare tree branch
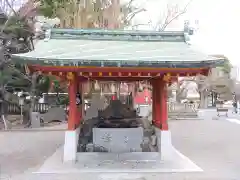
[8, 20]
[10, 6]
[129, 11]
[28, 9]
[130, 4]
[136, 25]
[130, 16]
[171, 16]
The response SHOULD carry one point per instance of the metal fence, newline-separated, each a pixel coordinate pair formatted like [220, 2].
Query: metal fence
[183, 107]
[44, 107]
[39, 107]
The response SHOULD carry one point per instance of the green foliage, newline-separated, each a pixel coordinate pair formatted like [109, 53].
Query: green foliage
[13, 80]
[49, 8]
[43, 84]
[226, 68]
[56, 85]
[63, 100]
[16, 37]
[17, 26]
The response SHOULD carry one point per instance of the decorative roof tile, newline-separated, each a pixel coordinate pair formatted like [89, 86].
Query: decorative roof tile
[112, 48]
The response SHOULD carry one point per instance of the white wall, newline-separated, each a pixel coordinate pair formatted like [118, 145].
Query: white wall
[235, 73]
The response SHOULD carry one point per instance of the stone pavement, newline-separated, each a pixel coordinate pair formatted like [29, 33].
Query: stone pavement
[211, 144]
[134, 162]
[22, 150]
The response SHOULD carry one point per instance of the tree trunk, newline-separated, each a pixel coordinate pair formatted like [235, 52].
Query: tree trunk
[203, 100]
[3, 109]
[27, 120]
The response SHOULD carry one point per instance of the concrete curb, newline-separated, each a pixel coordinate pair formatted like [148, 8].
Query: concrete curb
[31, 130]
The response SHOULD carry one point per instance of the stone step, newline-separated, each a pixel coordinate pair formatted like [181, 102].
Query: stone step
[183, 114]
[184, 118]
[190, 116]
[12, 118]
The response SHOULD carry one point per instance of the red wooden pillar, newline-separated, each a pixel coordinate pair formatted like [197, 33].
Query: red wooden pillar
[164, 108]
[72, 90]
[153, 101]
[157, 103]
[114, 97]
[80, 107]
[161, 114]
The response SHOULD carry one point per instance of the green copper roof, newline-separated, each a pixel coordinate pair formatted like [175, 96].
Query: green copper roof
[115, 48]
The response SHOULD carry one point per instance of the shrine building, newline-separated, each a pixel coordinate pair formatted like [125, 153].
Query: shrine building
[79, 55]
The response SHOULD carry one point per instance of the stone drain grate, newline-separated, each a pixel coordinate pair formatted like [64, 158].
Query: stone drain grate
[120, 176]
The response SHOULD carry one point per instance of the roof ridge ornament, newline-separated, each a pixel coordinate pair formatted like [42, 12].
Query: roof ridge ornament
[117, 35]
[187, 38]
[47, 35]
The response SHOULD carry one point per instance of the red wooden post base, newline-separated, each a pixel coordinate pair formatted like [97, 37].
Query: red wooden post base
[72, 117]
[80, 106]
[154, 102]
[160, 109]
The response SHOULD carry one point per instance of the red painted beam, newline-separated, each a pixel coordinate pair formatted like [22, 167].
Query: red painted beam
[119, 78]
[95, 76]
[123, 74]
[113, 69]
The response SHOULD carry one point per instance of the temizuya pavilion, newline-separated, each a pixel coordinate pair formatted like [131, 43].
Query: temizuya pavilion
[78, 55]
